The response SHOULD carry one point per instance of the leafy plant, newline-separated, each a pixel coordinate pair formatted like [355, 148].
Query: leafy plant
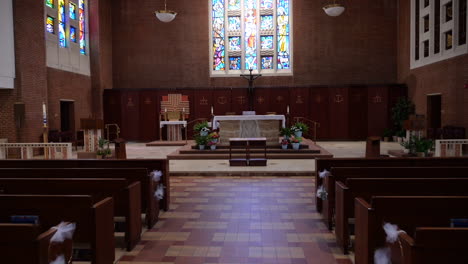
[199, 126]
[400, 133]
[213, 135]
[102, 150]
[299, 126]
[409, 144]
[201, 140]
[285, 132]
[388, 132]
[401, 112]
[296, 139]
[423, 145]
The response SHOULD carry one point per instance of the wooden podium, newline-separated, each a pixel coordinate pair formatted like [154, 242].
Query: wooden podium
[93, 130]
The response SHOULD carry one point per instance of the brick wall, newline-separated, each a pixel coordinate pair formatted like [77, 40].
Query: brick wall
[447, 77]
[358, 47]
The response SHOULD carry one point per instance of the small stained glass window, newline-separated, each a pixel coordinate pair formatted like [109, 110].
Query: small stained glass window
[72, 34]
[81, 6]
[448, 39]
[50, 3]
[50, 21]
[72, 11]
[61, 20]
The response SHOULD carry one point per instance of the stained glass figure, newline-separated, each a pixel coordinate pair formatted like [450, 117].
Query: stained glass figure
[218, 35]
[234, 4]
[266, 4]
[234, 63]
[72, 10]
[61, 19]
[266, 22]
[234, 23]
[234, 43]
[50, 3]
[283, 34]
[266, 42]
[250, 34]
[50, 24]
[72, 34]
[267, 62]
[81, 6]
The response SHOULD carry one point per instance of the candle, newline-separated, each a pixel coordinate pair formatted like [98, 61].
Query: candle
[183, 109]
[211, 109]
[165, 110]
[44, 114]
[287, 109]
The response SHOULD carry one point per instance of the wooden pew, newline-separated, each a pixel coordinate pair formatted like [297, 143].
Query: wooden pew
[328, 163]
[434, 245]
[368, 187]
[94, 219]
[342, 173]
[126, 196]
[24, 243]
[408, 212]
[149, 164]
[149, 204]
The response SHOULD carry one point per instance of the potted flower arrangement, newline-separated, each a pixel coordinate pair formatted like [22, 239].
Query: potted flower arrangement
[387, 134]
[299, 128]
[212, 145]
[286, 132]
[422, 146]
[102, 151]
[284, 143]
[214, 136]
[202, 128]
[201, 141]
[296, 142]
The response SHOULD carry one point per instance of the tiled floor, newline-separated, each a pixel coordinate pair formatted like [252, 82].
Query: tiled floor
[239, 220]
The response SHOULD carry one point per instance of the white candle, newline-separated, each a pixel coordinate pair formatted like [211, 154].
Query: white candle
[287, 109]
[165, 110]
[211, 109]
[183, 109]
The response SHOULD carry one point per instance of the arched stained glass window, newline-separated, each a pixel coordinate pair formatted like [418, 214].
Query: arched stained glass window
[251, 34]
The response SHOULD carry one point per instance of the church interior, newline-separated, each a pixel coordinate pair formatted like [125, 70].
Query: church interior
[233, 131]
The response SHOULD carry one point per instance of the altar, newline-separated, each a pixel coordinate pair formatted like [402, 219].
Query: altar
[249, 126]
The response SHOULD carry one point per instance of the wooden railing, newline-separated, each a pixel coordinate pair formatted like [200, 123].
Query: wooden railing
[51, 150]
[312, 133]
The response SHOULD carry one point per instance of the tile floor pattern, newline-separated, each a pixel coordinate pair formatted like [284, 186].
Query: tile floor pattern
[239, 220]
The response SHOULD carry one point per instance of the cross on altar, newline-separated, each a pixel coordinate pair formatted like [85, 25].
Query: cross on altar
[251, 78]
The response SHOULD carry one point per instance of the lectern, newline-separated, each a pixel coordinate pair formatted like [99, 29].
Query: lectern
[92, 132]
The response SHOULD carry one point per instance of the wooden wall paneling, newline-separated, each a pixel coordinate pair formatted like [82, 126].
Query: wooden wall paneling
[357, 114]
[319, 110]
[149, 119]
[202, 102]
[262, 98]
[339, 102]
[240, 100]
[299, 102]
[377, 105]
[130, 115]
[221, 101]
[278, 100]
[112, 107]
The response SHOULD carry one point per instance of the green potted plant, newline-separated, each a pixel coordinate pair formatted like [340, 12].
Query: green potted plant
[296, 142]
[202, 128]
[201, 141]
[401, 112]
[285, 132]
[387, 134]
[284, 143]
[214, 136]
[422, 146]
[212, 145]
[299, 128]
[103, 151]
[409, 145]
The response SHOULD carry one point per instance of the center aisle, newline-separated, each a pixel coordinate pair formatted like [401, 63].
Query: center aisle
[239, 220]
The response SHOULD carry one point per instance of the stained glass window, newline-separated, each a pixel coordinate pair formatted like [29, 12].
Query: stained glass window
[50, 3]
[81, 6]
[72, 11]
[50, 24]
[61, 20]
[250, 34]
[72, 34]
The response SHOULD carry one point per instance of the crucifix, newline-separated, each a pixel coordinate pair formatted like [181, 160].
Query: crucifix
[251, 78]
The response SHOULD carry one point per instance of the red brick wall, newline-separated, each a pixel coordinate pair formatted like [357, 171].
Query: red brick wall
[358, 47]
[447, 77]
[68, 86]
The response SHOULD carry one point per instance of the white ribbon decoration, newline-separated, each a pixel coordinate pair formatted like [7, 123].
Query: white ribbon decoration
[64, 231]
[324, 173]
[156, 175]
[159, 193]
[392, 232]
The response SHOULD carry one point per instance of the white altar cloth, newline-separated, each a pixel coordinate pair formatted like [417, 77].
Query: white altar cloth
[162, 123]
[248, 117]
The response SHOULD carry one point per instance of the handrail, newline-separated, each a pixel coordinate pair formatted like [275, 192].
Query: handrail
[310, 123]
